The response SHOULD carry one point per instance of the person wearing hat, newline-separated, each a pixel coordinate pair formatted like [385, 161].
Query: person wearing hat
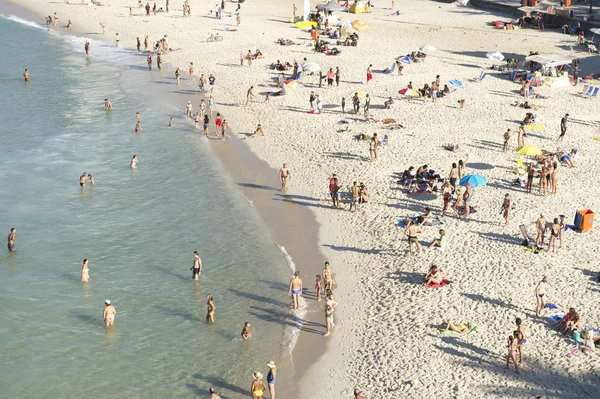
[506, 206]
[213, 394]
[258, 386]
[271, 377]
[109, 313]
[540, 293]
[357, 394]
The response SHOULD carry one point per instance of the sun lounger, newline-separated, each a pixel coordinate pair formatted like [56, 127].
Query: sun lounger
[586, 88]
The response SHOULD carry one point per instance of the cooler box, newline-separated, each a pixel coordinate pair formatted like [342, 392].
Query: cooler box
[584, 220]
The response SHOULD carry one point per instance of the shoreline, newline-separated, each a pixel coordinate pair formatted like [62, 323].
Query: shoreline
[277, 211]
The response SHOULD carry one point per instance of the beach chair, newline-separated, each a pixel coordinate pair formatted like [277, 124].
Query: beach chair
[384, 140]
[585, 89]
[481, 77]
[592, 92]
[528, 241]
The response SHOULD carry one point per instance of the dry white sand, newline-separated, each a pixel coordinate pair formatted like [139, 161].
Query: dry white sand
[385, 339]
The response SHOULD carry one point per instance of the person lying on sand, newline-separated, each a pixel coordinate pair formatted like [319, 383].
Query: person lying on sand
[435, 275]
[460, 328]
[526, 105]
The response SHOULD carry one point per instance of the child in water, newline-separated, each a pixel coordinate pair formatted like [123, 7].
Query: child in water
[246, 333]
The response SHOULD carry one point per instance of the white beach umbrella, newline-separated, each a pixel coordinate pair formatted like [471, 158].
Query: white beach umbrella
[495, 56]
[311, 67]
[428, 48]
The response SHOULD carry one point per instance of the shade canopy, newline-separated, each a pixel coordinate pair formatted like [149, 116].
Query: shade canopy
[360, 25]
[550, 60]
[331, 6]
[495, 56]
[311, 67]
[529, 150]
[473, 181]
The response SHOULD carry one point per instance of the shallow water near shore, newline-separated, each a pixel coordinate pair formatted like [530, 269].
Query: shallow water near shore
[138, 228]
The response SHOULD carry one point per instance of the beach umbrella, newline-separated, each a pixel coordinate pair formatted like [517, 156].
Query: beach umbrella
[529, 150]
[360, 25]
[311, 67]
[408, 92]
[473, 180]
[294, 84]
[331, 6]
[495, 56]
[457, 83]
[405, 60]
[428, 48]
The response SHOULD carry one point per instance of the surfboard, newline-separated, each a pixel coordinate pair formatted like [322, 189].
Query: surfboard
[306, 24]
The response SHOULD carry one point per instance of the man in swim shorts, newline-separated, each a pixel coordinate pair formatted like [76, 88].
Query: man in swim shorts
[26, 75]
[197, 266]
[355, 197]
[563, 127]
[540, 292]
[295, 288]
[12, 236]
[327, 277]
[109, 313]
[411, 231]
[284, 174]
[540, 225]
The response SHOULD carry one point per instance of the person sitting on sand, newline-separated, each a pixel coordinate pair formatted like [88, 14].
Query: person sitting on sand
[425, 218]
[562, 325]
[258, 132]
[435, 275]
[258, 55]
[567, 159]
[387, 104]
[363, 194]
[439, 242]
[574, 323]
[460, 328]
[369, 118]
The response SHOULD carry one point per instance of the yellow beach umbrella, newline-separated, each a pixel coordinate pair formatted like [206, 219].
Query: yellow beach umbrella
[360, 25]
[529, 150]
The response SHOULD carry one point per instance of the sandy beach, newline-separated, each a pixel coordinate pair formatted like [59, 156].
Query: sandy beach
[386, 340]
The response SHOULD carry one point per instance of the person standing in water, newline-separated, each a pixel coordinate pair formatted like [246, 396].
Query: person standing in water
[109, 313]
[85, 272]
[149, 60]
[138, 44]
[247, 331]
[284, 174]
[197, 266]
[107, 104]
[12, 237]
[210, 307]
[91, 178]
[134, 162]
[26, 75]
[258, 386]
[82, 179]
[213, 393]
[295, 288]
[271, 378]
[138, 126]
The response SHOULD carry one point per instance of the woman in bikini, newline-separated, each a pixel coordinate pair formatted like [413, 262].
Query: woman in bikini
[513, 344]
[258, 386]
[210, 307]
[554, 233]
[329, 308]
[460, 328]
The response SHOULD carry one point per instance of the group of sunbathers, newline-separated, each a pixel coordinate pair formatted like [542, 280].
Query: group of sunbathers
[282, 67]
[416, 56]
[421, 179]
[285, 42]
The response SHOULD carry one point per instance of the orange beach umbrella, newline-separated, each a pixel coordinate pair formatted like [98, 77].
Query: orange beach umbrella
[360, 25]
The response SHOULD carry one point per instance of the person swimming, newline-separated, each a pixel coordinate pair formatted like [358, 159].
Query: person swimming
[247, 331]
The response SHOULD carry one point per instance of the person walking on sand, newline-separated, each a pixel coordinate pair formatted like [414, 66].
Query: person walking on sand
[258, 386]
[330, 305]
[355, 197]
[373, 147]
[554, 234]
[210, 309]
[506, 140]
[109, 313]
[196, 266]
[294, 9]
[521, 135]
[250, 95]
[247, 331]
[540, 292]
[271, 378]
[213, 394]
[85, 272]
[513, 345]
[520, 337]
[138, 44]
[563, 227]
[369, 73]
[295, 290]
[506, 205]
[563, 127]
[338, 74]
[412, 230]
[146, 40]
[284, 175]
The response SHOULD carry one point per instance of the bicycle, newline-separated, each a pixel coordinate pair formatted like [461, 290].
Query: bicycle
[214, 38]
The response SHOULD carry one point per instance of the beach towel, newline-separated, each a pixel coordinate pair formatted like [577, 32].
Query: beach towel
[534, 127]
[556, 317]
[442, 284]
[463, 211]
[550, 306]
[443, 331]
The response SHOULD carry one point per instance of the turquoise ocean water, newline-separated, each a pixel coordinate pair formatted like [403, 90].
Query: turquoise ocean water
[138, 228]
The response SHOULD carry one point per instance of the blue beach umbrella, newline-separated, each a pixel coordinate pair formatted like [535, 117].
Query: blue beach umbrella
[473, 180]
[457, 83]
[405, 60]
